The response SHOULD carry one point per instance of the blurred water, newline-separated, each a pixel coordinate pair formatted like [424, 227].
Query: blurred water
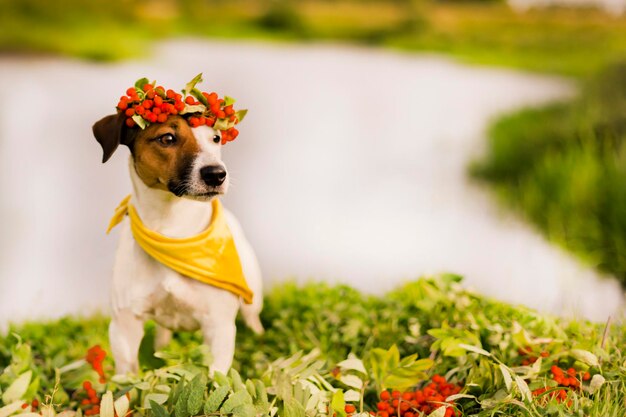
[350, 167]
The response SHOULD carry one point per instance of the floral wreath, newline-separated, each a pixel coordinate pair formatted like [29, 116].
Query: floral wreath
[145, 104]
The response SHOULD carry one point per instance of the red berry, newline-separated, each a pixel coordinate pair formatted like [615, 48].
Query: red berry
[147, 104]
[131, 91]
[179, 106]
[147, 87]
[350, 408]
[189, 100]
[129, 112]
[122, 105]
[586, 376]
[170, 94]
[162, 118]
[130, 122]
[158, 101]
[220, 114]
[150, 94]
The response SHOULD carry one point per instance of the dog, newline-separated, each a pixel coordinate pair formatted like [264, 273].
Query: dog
[176, 171]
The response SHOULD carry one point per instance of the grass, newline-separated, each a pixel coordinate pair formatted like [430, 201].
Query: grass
[498, 353]
[569, 42]
[564, 168]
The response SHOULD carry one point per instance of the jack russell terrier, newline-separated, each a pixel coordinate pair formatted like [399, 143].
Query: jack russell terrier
[176, 173]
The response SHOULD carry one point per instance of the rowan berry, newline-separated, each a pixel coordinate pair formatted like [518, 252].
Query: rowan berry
[350, 408]
[586, 376]
[162, 118]
[158, 101]
[150, 94]
[220, 114]
[147, 104]
[131, 91]
[147, 87]
[189, 100]
[130, 122]
[122, 105]
[129, 112]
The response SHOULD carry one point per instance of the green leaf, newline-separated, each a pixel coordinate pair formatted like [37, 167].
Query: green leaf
[223, 124]
[192, 84]
[338, 403]
[353, 364]
[107, 408]
[154, 397]
[199, 96]
[439, 412]
[474, 349]
[221, 379]
[141, 82]
[9, 409]
[523, 388]
[585, 357]
[246, 410]
[216, 398]
[596, 382]
[180, 409]
[193, 108]
[241, 114]
[196, 394]
[228, 101]
[18, 388]
[508, 381]
[237, 399]
[158, 410]
[237, 383]
[121, 406]
[293, 408]
[140, 121]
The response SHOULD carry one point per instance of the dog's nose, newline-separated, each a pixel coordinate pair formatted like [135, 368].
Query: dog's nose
[213, 175]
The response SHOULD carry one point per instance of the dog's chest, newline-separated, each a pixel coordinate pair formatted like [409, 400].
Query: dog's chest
[153, 291]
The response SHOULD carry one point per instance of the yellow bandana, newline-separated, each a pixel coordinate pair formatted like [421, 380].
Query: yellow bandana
[209, 257]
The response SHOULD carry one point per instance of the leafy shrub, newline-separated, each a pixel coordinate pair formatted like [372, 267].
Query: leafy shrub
[564, 168]
[358, 347]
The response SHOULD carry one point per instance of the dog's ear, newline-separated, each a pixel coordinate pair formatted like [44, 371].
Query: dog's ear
[110, 131]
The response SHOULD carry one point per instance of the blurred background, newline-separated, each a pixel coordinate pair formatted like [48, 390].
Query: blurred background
[385, 140]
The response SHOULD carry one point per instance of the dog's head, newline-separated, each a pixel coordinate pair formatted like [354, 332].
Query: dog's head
[169, 156]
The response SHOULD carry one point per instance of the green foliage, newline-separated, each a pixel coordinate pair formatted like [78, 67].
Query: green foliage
[563, 167]
[330, 346]
[571, 42]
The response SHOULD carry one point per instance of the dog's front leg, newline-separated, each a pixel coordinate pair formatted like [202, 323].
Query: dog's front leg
[125, 334]
[220, 336]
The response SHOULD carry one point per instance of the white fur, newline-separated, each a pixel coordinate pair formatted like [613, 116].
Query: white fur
[145, 289]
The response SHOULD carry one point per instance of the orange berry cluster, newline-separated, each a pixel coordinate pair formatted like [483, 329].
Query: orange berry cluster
[92, 401]
[564, 379]
[95, 357]
[528, 358]
[425, 400]
[34, 404]
[155, 105]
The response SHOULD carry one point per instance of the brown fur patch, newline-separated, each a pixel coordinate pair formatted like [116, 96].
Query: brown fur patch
[164, 167]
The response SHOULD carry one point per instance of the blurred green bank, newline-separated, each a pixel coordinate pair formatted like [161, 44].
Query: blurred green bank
[563, 41]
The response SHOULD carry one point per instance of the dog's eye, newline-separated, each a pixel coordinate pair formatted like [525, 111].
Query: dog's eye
[167, 140]
[217, 139]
